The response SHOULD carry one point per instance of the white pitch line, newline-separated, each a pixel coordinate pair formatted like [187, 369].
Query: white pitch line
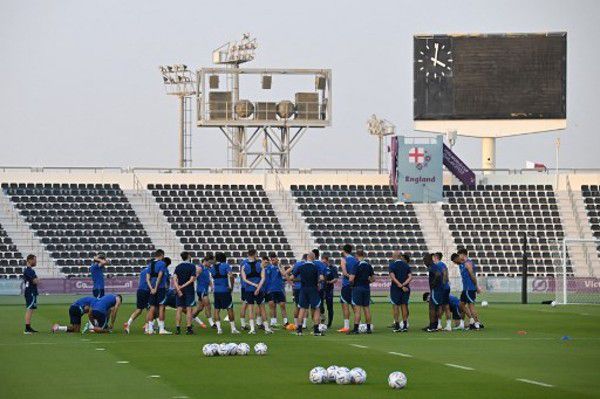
[542, 384]
[458, 366]
[100, 349]
[122, 361]
[400, 354]
[153, 376]
[359, 346]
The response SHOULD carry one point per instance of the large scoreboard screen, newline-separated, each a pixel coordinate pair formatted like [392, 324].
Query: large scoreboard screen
[490, 76]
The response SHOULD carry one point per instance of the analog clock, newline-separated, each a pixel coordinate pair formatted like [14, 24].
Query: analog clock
[433, 60]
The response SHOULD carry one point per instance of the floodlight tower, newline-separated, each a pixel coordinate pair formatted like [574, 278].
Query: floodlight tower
[179, 81]
[232, 54]
[380, 128]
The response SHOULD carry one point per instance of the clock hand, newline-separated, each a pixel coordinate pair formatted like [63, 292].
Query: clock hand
[434, 58]
[435, 61]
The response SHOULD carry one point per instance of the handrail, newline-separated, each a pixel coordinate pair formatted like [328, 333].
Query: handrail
[290, 208]
[578, 223]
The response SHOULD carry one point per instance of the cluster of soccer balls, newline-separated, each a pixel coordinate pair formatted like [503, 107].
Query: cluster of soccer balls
[233, 349]
[345, 376]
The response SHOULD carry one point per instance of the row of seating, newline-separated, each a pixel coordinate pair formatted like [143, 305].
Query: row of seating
[9, 255]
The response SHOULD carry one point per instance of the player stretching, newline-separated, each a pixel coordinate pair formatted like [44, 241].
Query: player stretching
[361, 278]
[100, 311]
[457, 317]
[468, 274]
[142, 300]
[157, 273]
[445, 308]
[76, 311]
[348, 264]
[309, 276]
[254, 277]
[400, 276]
[203, 283]
[275, 289]
[223, 285]
[331, 277]
[30, 282]
[183, 282]
[97, 273]
[435, 285]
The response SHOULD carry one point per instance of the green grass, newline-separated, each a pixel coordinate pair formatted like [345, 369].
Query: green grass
[65, 365]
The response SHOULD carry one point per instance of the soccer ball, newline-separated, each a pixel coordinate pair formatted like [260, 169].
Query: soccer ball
[484, 303]
[223, 349]
[331, 373]
[317, 375]
[243, 349]
[322, 328]
[209, 350]
[553, 303]
[342, 376]
[362, 328]
[397, 380]
[260, 349]
[358, 375]
[232, 349]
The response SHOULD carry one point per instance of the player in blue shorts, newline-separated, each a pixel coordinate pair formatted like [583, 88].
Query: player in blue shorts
[347, 265]
[322, 270]
[253, 275]
[468, 296]
[244, 306]
[400, 276]
[275, 289]
[309, 276]
[157, 280]
[97, 273]
[445, 308]
[361, 278]
[203, 285]
[30, 284]
[435, 287]
[103, 312]
[183, 282]
[457, 316]
[223, 281]
[142, 300]
[76, 311]
[330, 278]
[296, 291]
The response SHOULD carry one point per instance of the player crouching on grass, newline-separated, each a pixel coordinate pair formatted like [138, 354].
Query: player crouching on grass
[361, 279]
[103, 313]
[76, 311]
[183, 281]
[457, 317]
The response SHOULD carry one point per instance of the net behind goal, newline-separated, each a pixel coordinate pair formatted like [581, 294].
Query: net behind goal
[577, 278]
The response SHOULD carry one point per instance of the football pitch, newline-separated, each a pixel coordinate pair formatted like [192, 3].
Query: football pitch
[558, 357]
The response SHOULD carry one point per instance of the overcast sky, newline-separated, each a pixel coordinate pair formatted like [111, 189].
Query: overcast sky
[81, 85]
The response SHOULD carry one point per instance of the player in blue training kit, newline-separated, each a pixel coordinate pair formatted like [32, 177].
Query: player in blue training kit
[275, 289]
[331, 276]
[103, 312]
[322, 270]
[457, 316]
[400, 276]
[142, 300]
[30, 283]
[76, 311]
[347, 265]
[157, 280]
[445, 308]
[203, 284]
[97, 273]
[468, 296]
[309, 276]
[361, 279]
[253, 275]
[435, 286]
[183, 282]
[296, 290]
[222, 278]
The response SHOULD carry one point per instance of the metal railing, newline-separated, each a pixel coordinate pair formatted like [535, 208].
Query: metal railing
[578, 223]
[290, 207]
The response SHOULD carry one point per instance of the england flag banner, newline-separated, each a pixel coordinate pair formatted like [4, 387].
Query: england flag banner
[419, 169]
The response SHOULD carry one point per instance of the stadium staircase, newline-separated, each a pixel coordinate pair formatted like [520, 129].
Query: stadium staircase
[25, 240]
[154, 221]
[290, 218]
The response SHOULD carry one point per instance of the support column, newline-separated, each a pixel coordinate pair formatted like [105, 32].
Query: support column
[181, 131]
[488, 153]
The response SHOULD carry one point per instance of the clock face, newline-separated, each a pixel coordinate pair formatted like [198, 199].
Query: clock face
[434, 60]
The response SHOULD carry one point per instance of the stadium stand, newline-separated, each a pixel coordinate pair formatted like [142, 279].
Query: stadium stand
[11, 260]
[365, 216]
[490, 220]
[591, 198]
[76, 221]
[223, 217]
